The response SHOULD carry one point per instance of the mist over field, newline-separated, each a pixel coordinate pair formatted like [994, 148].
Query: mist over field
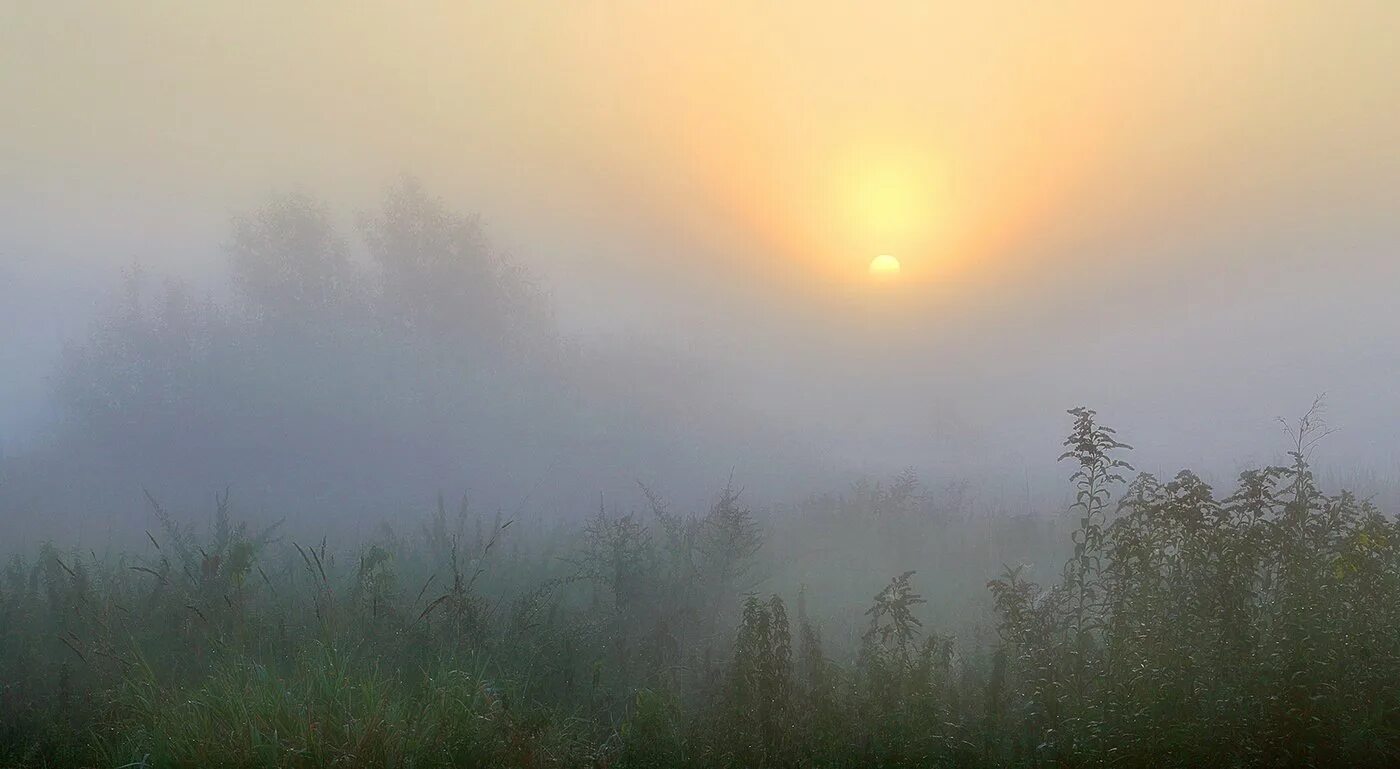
[648, 342]
[1194, 257]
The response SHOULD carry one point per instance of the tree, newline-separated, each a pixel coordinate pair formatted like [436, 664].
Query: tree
[443, 280]
[289, 267]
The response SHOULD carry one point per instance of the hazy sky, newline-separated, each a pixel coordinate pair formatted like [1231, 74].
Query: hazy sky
[1219, 179]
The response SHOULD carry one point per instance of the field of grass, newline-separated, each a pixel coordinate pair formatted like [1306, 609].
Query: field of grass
[1178, 626]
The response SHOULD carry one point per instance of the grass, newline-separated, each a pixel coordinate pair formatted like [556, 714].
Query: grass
[1186, 628]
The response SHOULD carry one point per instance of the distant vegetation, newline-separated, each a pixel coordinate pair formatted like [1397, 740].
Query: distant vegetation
[1185, 628]
[344, 372]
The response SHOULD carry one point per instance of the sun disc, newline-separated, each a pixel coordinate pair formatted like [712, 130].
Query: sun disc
[884, 266]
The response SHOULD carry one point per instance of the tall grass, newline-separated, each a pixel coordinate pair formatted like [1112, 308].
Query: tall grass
[1180, 627]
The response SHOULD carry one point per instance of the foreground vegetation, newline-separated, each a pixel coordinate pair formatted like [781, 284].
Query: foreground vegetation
[1260, 628]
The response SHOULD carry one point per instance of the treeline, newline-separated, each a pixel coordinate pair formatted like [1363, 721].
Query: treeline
[346, 373]
[1185, 628]
[325, 360]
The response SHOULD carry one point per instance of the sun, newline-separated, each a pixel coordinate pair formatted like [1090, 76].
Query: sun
[884, 266]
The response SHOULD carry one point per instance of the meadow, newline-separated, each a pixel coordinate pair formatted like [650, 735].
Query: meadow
[532, 385]
[1175, 626]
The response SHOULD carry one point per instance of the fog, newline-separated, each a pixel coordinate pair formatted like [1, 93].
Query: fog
[699, 384]
[641, 244]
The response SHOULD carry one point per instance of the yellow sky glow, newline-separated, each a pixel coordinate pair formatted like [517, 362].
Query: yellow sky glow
[788, 141]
